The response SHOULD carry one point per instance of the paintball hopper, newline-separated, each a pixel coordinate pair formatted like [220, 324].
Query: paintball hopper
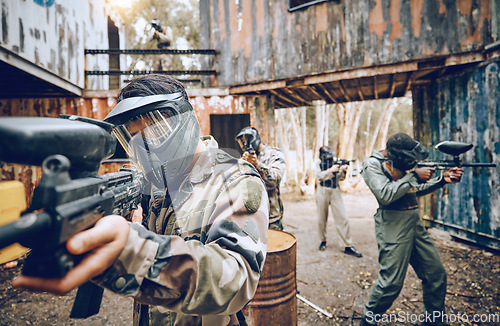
[453, 147]
[84, 141]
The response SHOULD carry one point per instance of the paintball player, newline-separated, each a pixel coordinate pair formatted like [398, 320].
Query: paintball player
[328, 195]
[392, 176]
[197, 257]
[270, 163]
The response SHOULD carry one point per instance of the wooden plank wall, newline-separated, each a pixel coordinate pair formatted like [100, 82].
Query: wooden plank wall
[260, 109]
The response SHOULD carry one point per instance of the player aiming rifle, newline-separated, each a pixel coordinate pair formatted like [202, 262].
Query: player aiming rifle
[71, 196]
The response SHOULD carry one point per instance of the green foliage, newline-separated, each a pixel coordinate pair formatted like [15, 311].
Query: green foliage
[182, 16]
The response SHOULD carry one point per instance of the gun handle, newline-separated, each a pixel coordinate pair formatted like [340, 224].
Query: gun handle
[88, 301]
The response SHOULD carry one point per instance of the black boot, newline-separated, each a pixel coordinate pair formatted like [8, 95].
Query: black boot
[352, 251]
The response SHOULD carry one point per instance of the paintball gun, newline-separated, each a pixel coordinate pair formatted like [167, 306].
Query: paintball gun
[453, 148]
[328, 160]
[342, 162]
[331, 161]
[70, 197]
[245, 142]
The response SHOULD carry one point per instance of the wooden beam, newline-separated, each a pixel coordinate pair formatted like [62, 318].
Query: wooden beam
[393, 86]
[389, 69]
[409, 82]
[361, 72]
[284, 99]
[375, 90]
[327, 93]
[360, 93]
[314, 91]
[257, 87]
[295, 97]
[344, 92]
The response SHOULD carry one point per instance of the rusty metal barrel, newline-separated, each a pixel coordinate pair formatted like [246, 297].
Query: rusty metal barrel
[275, 301]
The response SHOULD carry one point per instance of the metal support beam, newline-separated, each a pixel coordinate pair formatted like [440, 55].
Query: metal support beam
[30, 68]
[147, 72]
[150, 51]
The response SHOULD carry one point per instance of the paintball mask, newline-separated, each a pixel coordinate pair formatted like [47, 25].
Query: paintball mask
[249, 140]
[404, 151]
[326, 153]
[159, 133]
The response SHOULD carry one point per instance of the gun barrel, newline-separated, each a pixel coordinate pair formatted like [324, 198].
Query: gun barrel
[27, 227]
[487, 165]
[447, 165]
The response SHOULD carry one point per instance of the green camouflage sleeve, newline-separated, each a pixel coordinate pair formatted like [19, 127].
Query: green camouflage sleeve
[272, 167]
[214, 277]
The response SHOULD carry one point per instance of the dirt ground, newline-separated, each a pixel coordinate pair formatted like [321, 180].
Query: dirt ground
[333, 281]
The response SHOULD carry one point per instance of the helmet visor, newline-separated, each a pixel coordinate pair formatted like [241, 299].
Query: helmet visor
[244, 141]
[154, 127]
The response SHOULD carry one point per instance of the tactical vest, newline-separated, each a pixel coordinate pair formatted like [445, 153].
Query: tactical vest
[333, 182]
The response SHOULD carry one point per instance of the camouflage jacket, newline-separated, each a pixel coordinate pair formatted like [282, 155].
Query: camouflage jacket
[271, 166]
[201, 259]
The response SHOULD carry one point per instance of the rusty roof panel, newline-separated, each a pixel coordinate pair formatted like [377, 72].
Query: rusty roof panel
[260, 40]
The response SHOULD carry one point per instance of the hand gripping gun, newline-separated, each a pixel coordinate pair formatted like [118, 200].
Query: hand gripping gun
[71, 196]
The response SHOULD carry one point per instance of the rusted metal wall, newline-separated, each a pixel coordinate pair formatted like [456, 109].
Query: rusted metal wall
[260, 40]
[464, 107]
[96, 108]
[260, 108]
[54, 34]
[204, 102]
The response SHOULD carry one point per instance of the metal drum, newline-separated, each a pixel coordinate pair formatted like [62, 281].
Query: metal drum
[275, 301]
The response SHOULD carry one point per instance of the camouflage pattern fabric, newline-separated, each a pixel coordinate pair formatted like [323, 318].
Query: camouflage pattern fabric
[201, 259]
[271, 166]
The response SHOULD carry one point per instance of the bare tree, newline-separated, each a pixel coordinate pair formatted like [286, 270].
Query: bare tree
[349, 115]
[380, 131]
[283, 133]
[392, 104]
[321, 136]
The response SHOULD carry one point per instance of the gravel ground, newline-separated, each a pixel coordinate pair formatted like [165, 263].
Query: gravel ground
[333, 281]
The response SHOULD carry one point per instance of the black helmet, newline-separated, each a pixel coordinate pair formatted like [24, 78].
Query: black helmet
[326, 153]
[159, 133]
[248, 139]
[404, 151]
